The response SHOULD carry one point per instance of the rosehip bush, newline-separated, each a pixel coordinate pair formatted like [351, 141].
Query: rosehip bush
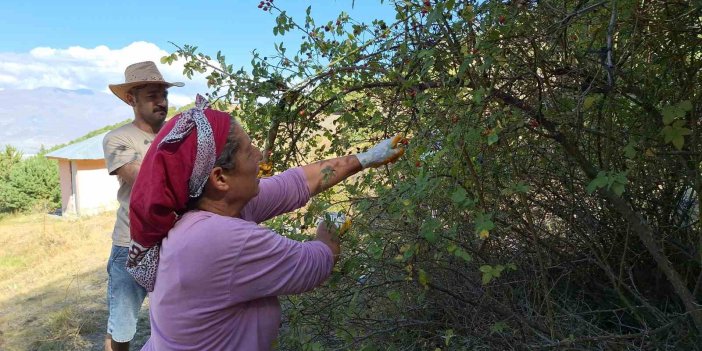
[549, 196]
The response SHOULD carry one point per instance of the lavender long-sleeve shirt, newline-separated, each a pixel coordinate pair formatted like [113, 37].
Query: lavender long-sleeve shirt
[219, 277]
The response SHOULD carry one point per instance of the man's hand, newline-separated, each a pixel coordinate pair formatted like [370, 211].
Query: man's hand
[383, 153]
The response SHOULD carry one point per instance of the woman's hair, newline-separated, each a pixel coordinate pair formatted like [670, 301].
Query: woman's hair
[226, 160]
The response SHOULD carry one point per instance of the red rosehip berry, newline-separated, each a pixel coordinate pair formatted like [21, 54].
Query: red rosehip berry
[501, 19]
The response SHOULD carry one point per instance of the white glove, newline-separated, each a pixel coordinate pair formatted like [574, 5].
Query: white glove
[384, 152]
[337, 219]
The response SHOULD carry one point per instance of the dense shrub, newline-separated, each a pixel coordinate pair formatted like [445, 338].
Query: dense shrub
[30, 184]
[549, 196]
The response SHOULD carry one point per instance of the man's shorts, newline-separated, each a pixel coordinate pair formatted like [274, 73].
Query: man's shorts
[124, 297]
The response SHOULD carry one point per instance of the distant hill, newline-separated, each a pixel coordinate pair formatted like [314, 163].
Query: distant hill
[52, 116]
[172, 111]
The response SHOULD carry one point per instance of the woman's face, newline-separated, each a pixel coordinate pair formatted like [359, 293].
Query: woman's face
[244, 181]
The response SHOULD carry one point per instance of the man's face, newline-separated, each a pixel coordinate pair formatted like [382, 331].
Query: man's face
[150, 103]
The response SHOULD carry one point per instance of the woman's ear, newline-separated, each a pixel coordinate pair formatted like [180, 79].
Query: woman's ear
[218, 179]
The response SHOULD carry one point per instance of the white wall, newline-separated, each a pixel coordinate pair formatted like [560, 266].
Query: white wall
[96, 190]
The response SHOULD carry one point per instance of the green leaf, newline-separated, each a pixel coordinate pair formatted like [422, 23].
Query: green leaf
[451, 248]
[478, 95]
[678, 141]
[599, 182]
[629, 150]
[487, 274]
[394, 296]
[497, 270]
[670, 113]
[460, 253]
[589, 101]
[492, 138]
[677, 111]
[618, 188]
[483, 222]
[498, 327]
[435, 15]
[459, 195]
[464, 66]
[675, 133]
[429, 230]
[423, 278]
[521, 188]
[685, 105]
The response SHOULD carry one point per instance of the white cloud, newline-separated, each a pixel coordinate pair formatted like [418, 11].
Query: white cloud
[90, 68]
[179, 99]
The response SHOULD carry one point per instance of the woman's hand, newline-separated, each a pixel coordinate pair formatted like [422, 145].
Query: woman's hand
[382, 153]
[329, 228]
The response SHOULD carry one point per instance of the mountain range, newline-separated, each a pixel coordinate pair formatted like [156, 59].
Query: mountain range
[30, 119]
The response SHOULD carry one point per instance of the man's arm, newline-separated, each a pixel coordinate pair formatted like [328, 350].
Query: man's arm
[128, 173]
[121, 158]
[323, 175]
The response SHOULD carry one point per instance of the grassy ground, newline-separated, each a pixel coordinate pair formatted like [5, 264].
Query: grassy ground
[53, 283]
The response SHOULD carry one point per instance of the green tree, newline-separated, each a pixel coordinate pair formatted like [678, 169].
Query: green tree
[8, 159]
[31, 184]
[538, 202]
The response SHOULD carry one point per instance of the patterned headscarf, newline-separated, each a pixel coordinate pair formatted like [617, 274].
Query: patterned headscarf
[174, 170]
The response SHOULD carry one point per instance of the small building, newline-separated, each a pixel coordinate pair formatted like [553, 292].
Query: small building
[86, 186]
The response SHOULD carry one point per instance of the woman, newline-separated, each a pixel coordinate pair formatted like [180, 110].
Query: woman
[219, 272]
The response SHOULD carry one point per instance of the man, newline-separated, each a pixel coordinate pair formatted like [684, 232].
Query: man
[146, 92]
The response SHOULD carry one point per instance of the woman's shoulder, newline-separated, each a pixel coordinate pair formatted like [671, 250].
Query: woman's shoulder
[213, 224]
[202, 230]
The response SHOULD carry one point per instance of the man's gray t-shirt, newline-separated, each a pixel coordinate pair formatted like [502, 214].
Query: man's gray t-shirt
[124, 145]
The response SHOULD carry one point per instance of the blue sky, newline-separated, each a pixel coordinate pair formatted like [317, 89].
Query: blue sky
[86, 44]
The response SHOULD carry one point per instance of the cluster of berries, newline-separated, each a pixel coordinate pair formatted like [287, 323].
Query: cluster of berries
[265, 5]
[426, 7]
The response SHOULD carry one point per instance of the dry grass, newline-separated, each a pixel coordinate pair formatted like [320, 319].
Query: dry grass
[53, 281]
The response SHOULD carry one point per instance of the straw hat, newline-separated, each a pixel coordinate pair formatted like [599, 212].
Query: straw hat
[139, 74]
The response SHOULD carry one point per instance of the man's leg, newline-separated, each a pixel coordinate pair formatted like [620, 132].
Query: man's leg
[124, 299]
